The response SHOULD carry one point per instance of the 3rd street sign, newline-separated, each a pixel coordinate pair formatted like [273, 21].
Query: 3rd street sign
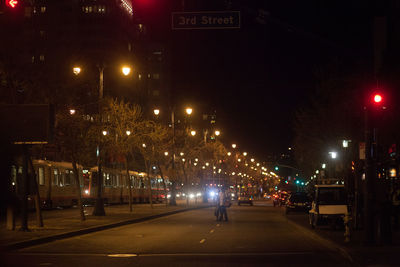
[206, 20]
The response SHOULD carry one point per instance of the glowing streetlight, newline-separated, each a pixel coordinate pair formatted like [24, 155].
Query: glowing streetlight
[156, 112]
[166, 153]
[217, 133]
[128, 133]
[229, 153]
[182, 154]
[323, 166]
[189, 111]
[144, 145]
[105, 132]
[126, 70]
[252, 160]
[333, 154]
[72, 111]
[233, 146]
[245, 154]
[76, 70]
[193, 132]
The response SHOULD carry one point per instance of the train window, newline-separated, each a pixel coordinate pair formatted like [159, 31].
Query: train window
[41, 176]
[117, 180]
[107, 179]
[55, 176]
[13, 175]
[67, 180]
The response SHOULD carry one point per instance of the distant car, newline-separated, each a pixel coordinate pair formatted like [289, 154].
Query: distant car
[298, 202]
[245, 199]
[275, 199]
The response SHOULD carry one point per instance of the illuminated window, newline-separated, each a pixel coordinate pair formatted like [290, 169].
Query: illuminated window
[42, 9]
[90, 9]
[140, 76]
[129, 47]
[41, 176]
[156, 76]
[55, 177]
[33, 59]
[41, 58]
[13, 175]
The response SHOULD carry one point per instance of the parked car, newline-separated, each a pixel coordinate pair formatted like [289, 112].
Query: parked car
[298, 201]
[245, 199]
[329, 205]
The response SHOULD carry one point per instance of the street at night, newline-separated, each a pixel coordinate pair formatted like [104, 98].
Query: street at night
[258, 235]
[199, 133]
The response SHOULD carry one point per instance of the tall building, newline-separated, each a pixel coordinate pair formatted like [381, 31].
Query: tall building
[50, 38]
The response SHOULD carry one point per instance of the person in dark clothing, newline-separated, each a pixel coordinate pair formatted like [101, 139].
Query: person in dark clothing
[222, 206]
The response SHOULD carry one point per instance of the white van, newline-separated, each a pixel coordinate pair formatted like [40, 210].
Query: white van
[329, 205]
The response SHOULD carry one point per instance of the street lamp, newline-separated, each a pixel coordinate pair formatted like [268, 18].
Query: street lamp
[156, 112]
[333, 154]
[128, 132]
[245, 154]
[233, 146]
[217, 133]
[126, 70]
[72, 111]
[193, 132]
[166, 153]
[76, 70]
[189, 111]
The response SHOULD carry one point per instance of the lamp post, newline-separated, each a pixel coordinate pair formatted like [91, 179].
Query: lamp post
[99, 204]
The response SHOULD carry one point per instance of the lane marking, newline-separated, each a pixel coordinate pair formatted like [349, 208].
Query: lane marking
[122, 255]
[202, 241]
[212, 231]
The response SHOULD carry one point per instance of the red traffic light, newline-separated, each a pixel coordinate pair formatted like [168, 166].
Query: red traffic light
[378, 98]
[12, 3]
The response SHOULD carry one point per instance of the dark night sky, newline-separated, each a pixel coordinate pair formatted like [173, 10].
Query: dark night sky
[256, 77]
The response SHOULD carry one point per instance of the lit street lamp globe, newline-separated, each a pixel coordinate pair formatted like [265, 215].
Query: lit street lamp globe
[76, 70]
[126, 70]
[189, 111]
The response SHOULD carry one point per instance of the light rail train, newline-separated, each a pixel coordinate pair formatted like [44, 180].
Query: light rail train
[57, 186]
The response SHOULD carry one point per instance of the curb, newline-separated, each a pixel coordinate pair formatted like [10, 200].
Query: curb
[330, 244]
[47, 239]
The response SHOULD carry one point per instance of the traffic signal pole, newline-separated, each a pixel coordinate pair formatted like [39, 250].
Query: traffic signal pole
[369, 182]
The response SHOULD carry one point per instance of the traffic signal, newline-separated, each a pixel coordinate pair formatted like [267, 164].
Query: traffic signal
[12, 3]
[378, 98]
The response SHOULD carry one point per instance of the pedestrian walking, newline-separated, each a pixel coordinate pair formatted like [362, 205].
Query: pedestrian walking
[223, 204]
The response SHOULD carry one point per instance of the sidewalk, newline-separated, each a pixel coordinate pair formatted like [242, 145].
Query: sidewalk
[66, 223]
[362, 255]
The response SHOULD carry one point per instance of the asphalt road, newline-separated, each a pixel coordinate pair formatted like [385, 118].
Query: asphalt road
[258, 235]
